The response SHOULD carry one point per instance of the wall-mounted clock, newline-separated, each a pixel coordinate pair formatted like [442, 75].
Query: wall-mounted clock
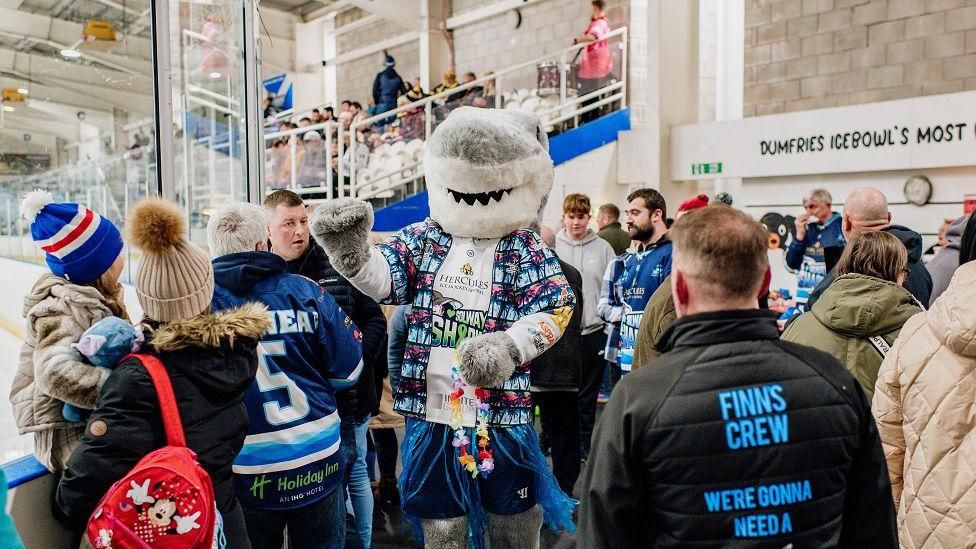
[918, 190]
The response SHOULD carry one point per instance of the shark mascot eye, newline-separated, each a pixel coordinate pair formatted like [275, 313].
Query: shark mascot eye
[487, 297]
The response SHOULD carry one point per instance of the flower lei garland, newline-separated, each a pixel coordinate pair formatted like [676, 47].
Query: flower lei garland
[485, 462]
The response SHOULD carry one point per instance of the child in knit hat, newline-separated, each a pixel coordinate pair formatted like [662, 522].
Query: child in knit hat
[83, 253]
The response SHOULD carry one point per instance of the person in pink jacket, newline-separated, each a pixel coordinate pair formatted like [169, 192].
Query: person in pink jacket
[596, 62]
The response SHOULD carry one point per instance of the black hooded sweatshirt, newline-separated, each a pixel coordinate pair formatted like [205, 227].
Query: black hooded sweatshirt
[362, 399]
[211, 360]
[919, 281]
[559, 367]
[733, 438]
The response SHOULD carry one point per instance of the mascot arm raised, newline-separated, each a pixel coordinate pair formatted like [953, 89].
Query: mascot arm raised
[342, 228]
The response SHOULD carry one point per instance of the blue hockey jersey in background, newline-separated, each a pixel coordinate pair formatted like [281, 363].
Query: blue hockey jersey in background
[291, 454]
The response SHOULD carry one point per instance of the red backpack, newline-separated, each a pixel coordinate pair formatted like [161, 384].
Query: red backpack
[166, 501]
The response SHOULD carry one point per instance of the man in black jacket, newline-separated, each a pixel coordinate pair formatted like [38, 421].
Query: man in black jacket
[289, 232]
[555, 379]
[733, 436]
[866, 210]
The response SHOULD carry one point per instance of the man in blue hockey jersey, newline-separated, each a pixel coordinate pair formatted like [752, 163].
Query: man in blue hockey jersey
[290, 469]
[633, 277]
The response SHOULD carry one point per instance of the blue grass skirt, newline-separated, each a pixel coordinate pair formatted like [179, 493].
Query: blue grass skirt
[434, 485]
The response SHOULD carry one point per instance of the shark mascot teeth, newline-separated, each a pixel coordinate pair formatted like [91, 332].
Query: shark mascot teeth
[487, 297]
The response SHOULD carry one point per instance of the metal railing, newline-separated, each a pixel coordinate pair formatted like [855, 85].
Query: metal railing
[327, 169]
[559, 109]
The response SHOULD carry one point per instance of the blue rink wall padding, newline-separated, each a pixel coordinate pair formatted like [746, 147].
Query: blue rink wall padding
[588, 137]
[562, 148]
[23, 470]
[397, 216]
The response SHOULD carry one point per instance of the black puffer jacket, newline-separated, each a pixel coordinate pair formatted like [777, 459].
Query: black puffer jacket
[919, 281]
[559, 367]
[735, 438]
[364, 312]
[211, 361]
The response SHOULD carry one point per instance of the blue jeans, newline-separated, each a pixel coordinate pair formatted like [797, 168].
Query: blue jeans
[321, 525]
[356, 478]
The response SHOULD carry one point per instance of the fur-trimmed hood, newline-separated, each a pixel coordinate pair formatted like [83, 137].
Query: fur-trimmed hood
[216, 352]
[212, 330]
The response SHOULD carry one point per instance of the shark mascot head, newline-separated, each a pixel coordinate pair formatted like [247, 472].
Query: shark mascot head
[488, 172]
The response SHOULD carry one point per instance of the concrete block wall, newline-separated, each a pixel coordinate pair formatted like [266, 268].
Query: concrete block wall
[707, 51]
[355, 78]
[809, 54]
[548, 26]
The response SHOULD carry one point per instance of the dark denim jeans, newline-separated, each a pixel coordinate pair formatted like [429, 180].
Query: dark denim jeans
[321, 525]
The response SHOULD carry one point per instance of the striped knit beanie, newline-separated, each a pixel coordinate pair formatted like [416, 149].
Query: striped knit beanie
[175, 280]
[79, 245]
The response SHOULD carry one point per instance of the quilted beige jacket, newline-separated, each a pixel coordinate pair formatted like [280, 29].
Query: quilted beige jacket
[50, 372]
[925, 406]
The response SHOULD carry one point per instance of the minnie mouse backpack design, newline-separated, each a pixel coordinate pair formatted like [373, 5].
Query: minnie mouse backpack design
[166, 501]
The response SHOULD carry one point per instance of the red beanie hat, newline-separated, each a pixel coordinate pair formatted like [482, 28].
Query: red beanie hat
[699, 201]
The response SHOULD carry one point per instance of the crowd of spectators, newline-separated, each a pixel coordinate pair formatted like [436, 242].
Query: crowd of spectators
[311, 156]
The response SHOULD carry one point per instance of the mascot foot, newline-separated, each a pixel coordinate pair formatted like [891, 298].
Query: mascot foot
[519, 531]
[449, 533]
[488, 360]
[341, 227]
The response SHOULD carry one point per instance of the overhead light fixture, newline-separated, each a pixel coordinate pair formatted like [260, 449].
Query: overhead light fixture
[215, 75]
[8, 108]
[70, 53]
[24, 91]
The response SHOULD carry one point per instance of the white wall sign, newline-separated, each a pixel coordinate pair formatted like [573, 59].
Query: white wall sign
[921, 132]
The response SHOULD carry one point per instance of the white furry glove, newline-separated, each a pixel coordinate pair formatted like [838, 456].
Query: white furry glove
[342, 228]
[488, 360]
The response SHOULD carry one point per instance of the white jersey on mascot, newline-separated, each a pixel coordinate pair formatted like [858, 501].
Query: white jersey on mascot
[487, 297]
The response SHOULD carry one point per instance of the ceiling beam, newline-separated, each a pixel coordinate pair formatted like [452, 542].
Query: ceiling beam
[43, 28]
[31, 124]
[80, 99]
[55, 69]
[324, 11]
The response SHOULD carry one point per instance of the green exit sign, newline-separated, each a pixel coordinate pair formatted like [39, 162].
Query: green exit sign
[704, 169]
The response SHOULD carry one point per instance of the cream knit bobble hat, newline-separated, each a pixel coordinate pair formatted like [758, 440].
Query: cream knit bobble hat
[175, 280]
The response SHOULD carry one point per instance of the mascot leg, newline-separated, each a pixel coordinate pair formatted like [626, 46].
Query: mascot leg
[519, 531]
[449, 533]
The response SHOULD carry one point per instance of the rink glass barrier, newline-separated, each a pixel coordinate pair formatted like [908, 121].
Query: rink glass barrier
[90, 130]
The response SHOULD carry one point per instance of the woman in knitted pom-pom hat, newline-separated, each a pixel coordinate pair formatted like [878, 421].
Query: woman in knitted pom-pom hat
[83, 252]
[211, 360]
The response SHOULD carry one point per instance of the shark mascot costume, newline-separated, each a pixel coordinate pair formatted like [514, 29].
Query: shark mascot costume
[487, 297]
